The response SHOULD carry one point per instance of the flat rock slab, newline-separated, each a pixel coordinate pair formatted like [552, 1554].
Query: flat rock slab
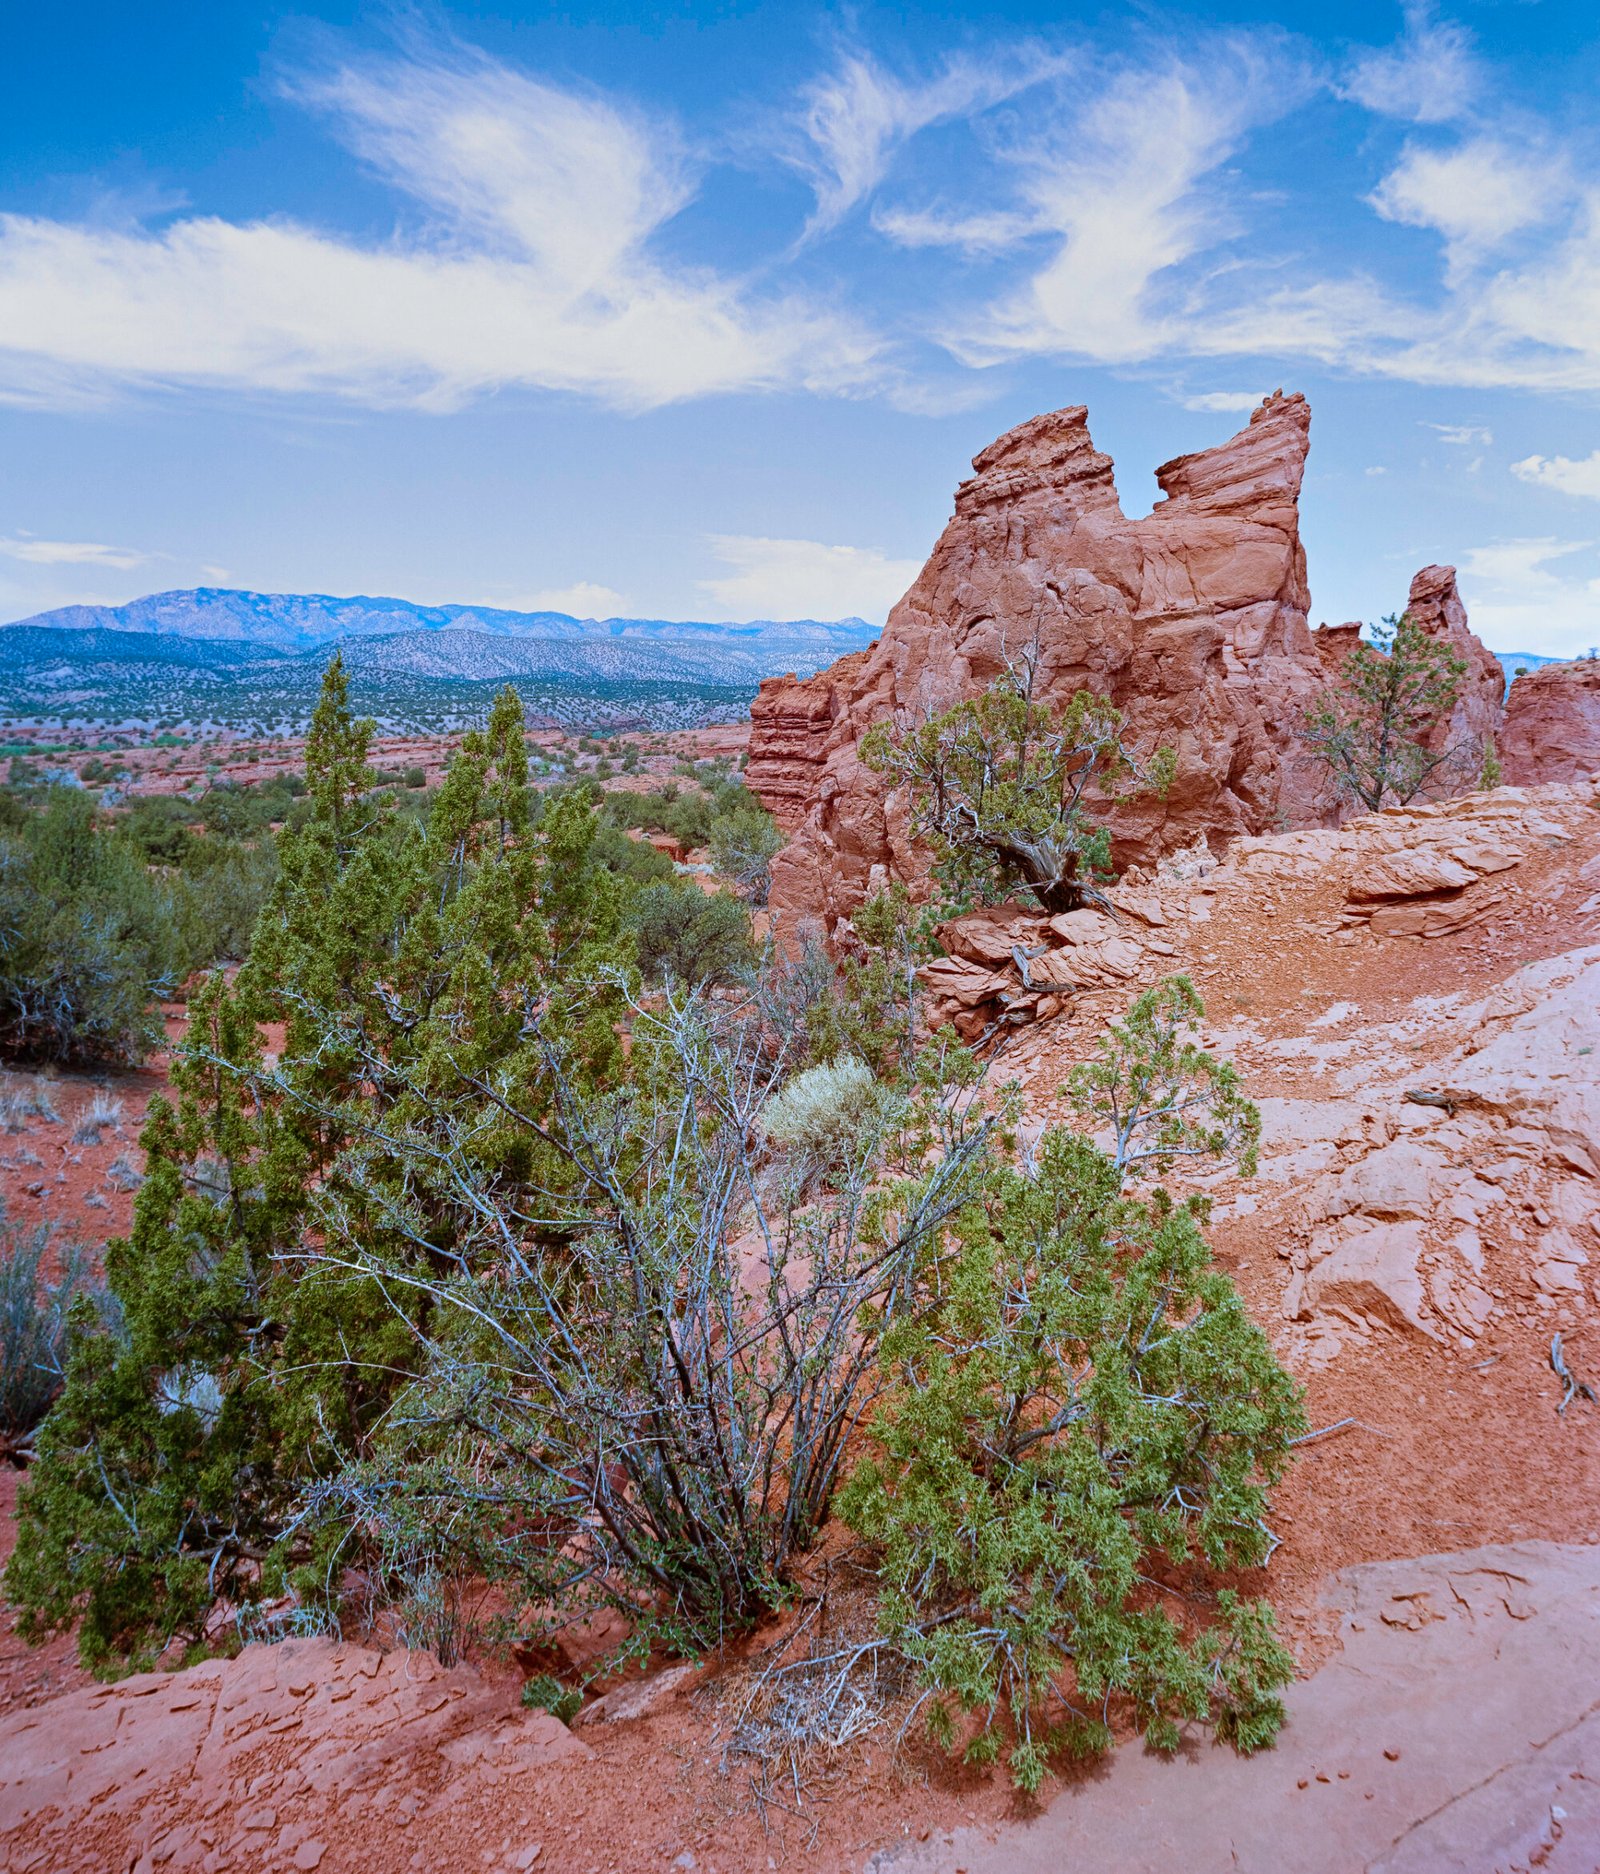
[251, 1760]
[1459, 1730]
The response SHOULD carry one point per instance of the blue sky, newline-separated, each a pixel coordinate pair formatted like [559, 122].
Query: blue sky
[700, 310]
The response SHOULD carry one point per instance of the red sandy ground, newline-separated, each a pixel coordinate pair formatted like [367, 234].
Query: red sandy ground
[247, 759]
[1453, 1450]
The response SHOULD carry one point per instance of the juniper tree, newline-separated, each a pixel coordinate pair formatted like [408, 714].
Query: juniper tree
[1084, 1404]
[401, 963]
[1000, 788]
[1379, 725]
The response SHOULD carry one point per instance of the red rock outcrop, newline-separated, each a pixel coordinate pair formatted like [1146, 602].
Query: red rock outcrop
[1552, 724]
[1436, 605]
[1192, 620]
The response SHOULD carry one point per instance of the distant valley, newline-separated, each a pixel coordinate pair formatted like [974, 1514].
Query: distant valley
[250, 661]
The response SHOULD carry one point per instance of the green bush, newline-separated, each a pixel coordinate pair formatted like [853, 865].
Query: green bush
[547, 1693]
[689, 937]
[744, 842]
[1381, 726]
[999, 789]
[1085, 1398]
[87, 937]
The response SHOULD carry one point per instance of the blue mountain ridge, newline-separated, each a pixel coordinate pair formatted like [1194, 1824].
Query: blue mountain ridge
[303, 621]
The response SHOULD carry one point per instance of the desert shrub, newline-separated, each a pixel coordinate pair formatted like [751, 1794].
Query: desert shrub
[1379, 726]
[404, 964]
[158, 827]
[103, 1112]
[744, 841]
[414, 777]
[825, 1115]
[1083, 1408]
[87, 937]
[23, 1100]
[635, 860]
[544, 1692]
[998, 788]
[38, 1282]
[218, 894]
[123, 1174]
[689, 936]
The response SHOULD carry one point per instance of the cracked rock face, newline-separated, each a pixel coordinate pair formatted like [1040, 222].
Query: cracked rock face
[154, 1770]
[1192, 619]
[1552, 724]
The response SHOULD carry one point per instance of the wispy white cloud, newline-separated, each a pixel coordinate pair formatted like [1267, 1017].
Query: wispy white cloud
[855, 118]
[1521, 597]
[1120, 187]
[803, 579]
[1224, 402]
[34, 552]
[1562, 473]
[1461, 435]
[534, 263]
[1429, 77]
[586, 599]
[1475, 195]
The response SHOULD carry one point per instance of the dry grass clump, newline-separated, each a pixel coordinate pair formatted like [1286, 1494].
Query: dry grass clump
[123, 1174]
[22, 1100]
[102, 1114]
[792, 1718]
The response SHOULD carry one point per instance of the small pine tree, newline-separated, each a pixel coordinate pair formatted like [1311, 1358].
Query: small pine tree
[1084, 1396]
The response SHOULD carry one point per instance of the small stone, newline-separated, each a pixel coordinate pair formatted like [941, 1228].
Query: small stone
[526, 1858]
[1393, 1753]
[309, 1854]
[686, 1860]
[1304, 1783]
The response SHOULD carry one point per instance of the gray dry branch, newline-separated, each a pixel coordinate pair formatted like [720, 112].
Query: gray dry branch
[638, 1387]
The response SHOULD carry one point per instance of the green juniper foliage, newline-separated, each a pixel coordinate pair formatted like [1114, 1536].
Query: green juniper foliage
[998, 786]
[402, 963]
[1377, 727]
[1083, 1404]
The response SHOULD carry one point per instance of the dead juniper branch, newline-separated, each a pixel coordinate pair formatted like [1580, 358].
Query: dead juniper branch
[1573, 1387]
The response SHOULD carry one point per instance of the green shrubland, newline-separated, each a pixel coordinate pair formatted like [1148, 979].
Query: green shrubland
[562, 1241]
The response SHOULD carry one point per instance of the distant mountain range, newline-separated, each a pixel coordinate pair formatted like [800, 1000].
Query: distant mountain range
[1513, 661]
[251, 660]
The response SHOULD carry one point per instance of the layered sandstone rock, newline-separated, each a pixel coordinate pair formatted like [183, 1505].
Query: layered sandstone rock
[1193, 620]
[1435, 604]
[1552, 724]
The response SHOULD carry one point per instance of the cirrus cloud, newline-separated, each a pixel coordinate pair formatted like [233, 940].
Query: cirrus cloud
[534, 262]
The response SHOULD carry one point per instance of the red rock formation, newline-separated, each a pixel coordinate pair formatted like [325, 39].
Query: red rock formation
[1552, 724]
[1334, 643]
[1436, 605]
[1192, 620]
